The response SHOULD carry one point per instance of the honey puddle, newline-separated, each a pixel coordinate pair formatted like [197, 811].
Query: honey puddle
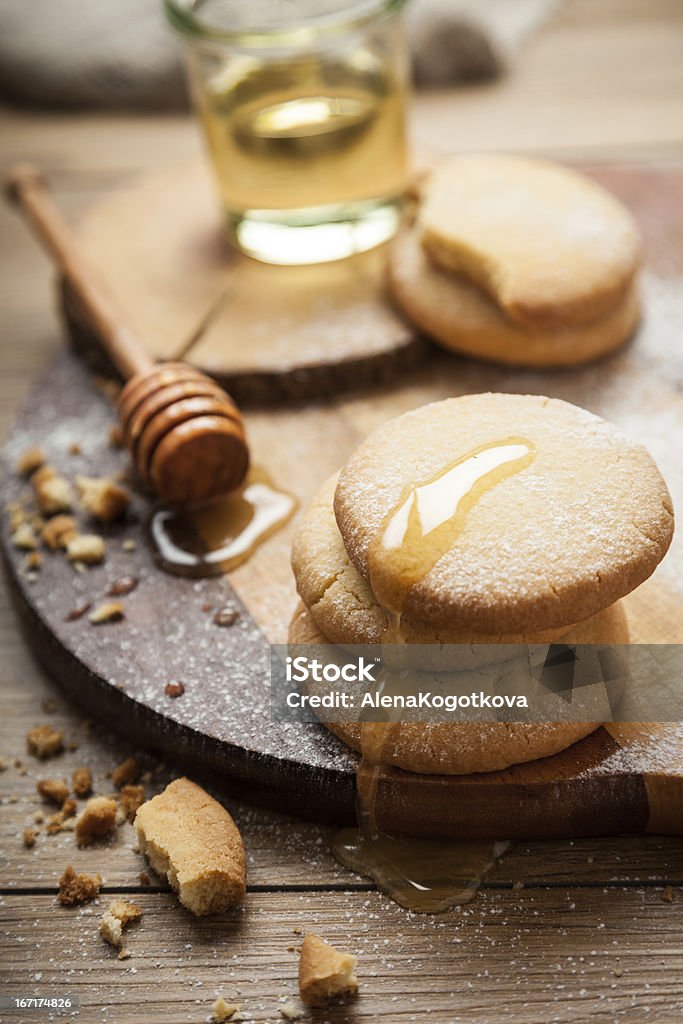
[423, 875]
[426, 876]
[216, 537]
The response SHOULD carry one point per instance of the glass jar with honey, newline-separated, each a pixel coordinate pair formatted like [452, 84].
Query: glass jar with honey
[303, 106]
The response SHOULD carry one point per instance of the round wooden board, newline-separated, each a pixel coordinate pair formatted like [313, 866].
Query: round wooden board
[267, 333]
[221, 725]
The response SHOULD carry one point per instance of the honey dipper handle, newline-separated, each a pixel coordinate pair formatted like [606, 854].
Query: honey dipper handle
[26, 187]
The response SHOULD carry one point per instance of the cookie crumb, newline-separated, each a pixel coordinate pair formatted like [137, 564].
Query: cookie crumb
[44, 742]
[222, 1011]
[34, 560]
[129, 545]
[63, 819]
[24, 538]
[289, 1011]
[108, 611]
[130, 799]
[126, 772]
[97, 819]
[52, 491]
[55, 790]
[86, 549]
[77, 888]
[31, 460]
[102, 498]
[81, 780]
[667, 894]
[119, 914]
[58, 531]
[174, 689]
[325, 972]
[29, 836]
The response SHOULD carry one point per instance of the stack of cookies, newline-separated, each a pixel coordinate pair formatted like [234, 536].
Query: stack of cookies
[519, 261]
[485, 519]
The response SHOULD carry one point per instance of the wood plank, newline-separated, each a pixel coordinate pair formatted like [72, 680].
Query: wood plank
[557, 955]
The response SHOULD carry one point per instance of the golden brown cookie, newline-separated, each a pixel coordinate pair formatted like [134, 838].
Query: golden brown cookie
[546, 243]
[190, 839]
[460, 748]
[562, 516]
[462, 317]
[344, 608]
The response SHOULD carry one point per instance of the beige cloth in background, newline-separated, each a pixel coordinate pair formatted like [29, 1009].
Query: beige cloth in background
[85, 53]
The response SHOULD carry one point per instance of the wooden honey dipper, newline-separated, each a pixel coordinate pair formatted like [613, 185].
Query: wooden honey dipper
[184, 433]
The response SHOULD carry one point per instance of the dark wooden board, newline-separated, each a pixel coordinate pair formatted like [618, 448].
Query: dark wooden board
[221, 725]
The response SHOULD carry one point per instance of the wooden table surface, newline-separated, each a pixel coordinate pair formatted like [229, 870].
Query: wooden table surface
[561, 932]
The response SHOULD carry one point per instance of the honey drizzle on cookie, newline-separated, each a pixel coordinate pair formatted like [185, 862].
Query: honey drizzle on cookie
[430, 516]
[424, 875]
[216, 537]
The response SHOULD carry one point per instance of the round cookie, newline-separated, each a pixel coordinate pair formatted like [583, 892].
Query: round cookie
[344, 608]
[582, 524]
[468, 747]
[463, 748]
[463, 318]
[546, 243]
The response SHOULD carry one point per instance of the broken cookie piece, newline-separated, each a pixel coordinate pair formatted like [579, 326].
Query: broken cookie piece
[29, 836]
[52, 491]
[43, 741]
[108, 611]
[190, 839]
[97, 819]
[131, 798]
[325, 972]
[81, 780]
[24, 537]
[85, 547]
[222, 1011]
[102, 497]
[126, 772]
[55, 790]
[119, 914]
[31, 460]
[58, 531]
[75, 888]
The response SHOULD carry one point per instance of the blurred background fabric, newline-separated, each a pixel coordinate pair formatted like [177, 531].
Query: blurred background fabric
[123, 56]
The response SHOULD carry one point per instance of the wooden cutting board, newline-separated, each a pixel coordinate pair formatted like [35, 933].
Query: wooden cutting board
[267, 333]
[221, 725]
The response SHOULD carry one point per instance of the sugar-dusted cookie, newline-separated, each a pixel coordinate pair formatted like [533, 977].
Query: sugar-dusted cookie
[344, 608]
[547, 244]
[502, 514]
[460, 748]
[462, 317]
